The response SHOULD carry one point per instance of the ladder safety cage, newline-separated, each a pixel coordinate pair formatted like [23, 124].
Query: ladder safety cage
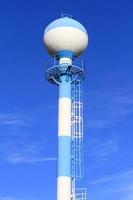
[77, 130]
[80, 194]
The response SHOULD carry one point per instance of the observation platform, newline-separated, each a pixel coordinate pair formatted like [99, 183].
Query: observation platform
[53, 70]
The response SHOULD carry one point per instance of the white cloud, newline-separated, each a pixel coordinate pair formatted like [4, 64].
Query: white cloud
[101, 123]
[6, 198]
[118, 185]
[15, 152]
[112, 107]
[12, 118]
[18, 158]
[103, 150]
[19, 147]
[124, 97]
[17, 198]
[123, 175]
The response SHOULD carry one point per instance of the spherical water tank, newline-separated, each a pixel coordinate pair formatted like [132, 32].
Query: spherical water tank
[65, 34]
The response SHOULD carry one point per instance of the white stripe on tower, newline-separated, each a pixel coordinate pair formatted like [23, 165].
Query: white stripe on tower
[64, 119]
[64, 188]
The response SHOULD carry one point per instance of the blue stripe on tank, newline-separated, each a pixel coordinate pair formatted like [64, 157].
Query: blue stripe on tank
[68, 22]
[65, 53]
[64, 156]
[65, 87]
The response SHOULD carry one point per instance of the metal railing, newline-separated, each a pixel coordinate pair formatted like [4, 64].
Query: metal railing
[81, 194]
[53, 69]
[53, 62]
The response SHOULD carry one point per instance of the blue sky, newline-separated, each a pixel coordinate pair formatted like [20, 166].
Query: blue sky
[28, 104]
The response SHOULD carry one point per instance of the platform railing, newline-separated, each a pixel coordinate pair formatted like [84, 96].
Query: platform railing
[53, 62]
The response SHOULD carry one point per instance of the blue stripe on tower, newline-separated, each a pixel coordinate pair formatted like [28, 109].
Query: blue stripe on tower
[65, 87]
[64, 154]
[64, 139]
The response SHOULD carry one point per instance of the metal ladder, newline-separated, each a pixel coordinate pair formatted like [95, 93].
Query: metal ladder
[77, 131]
[77, 140]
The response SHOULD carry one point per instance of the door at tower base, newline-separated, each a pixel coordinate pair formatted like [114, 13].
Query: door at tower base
[64, 188]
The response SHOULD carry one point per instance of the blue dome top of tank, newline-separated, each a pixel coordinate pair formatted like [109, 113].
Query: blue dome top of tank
[65, 21]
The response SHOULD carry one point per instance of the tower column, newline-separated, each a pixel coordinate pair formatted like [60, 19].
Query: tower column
[64, 139]
[66, 39]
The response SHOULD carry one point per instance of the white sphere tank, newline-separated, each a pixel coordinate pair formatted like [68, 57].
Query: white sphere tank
[65, 34]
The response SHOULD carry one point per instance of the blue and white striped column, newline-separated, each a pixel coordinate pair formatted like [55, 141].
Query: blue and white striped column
[64, 140]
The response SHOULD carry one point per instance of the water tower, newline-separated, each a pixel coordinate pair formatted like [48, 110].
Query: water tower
[65, 39]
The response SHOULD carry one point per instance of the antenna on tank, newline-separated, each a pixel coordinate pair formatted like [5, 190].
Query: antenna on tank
[66, 15]
[66, 39]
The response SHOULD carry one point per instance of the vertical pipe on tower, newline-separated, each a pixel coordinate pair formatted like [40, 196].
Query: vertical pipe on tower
[64, 139]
